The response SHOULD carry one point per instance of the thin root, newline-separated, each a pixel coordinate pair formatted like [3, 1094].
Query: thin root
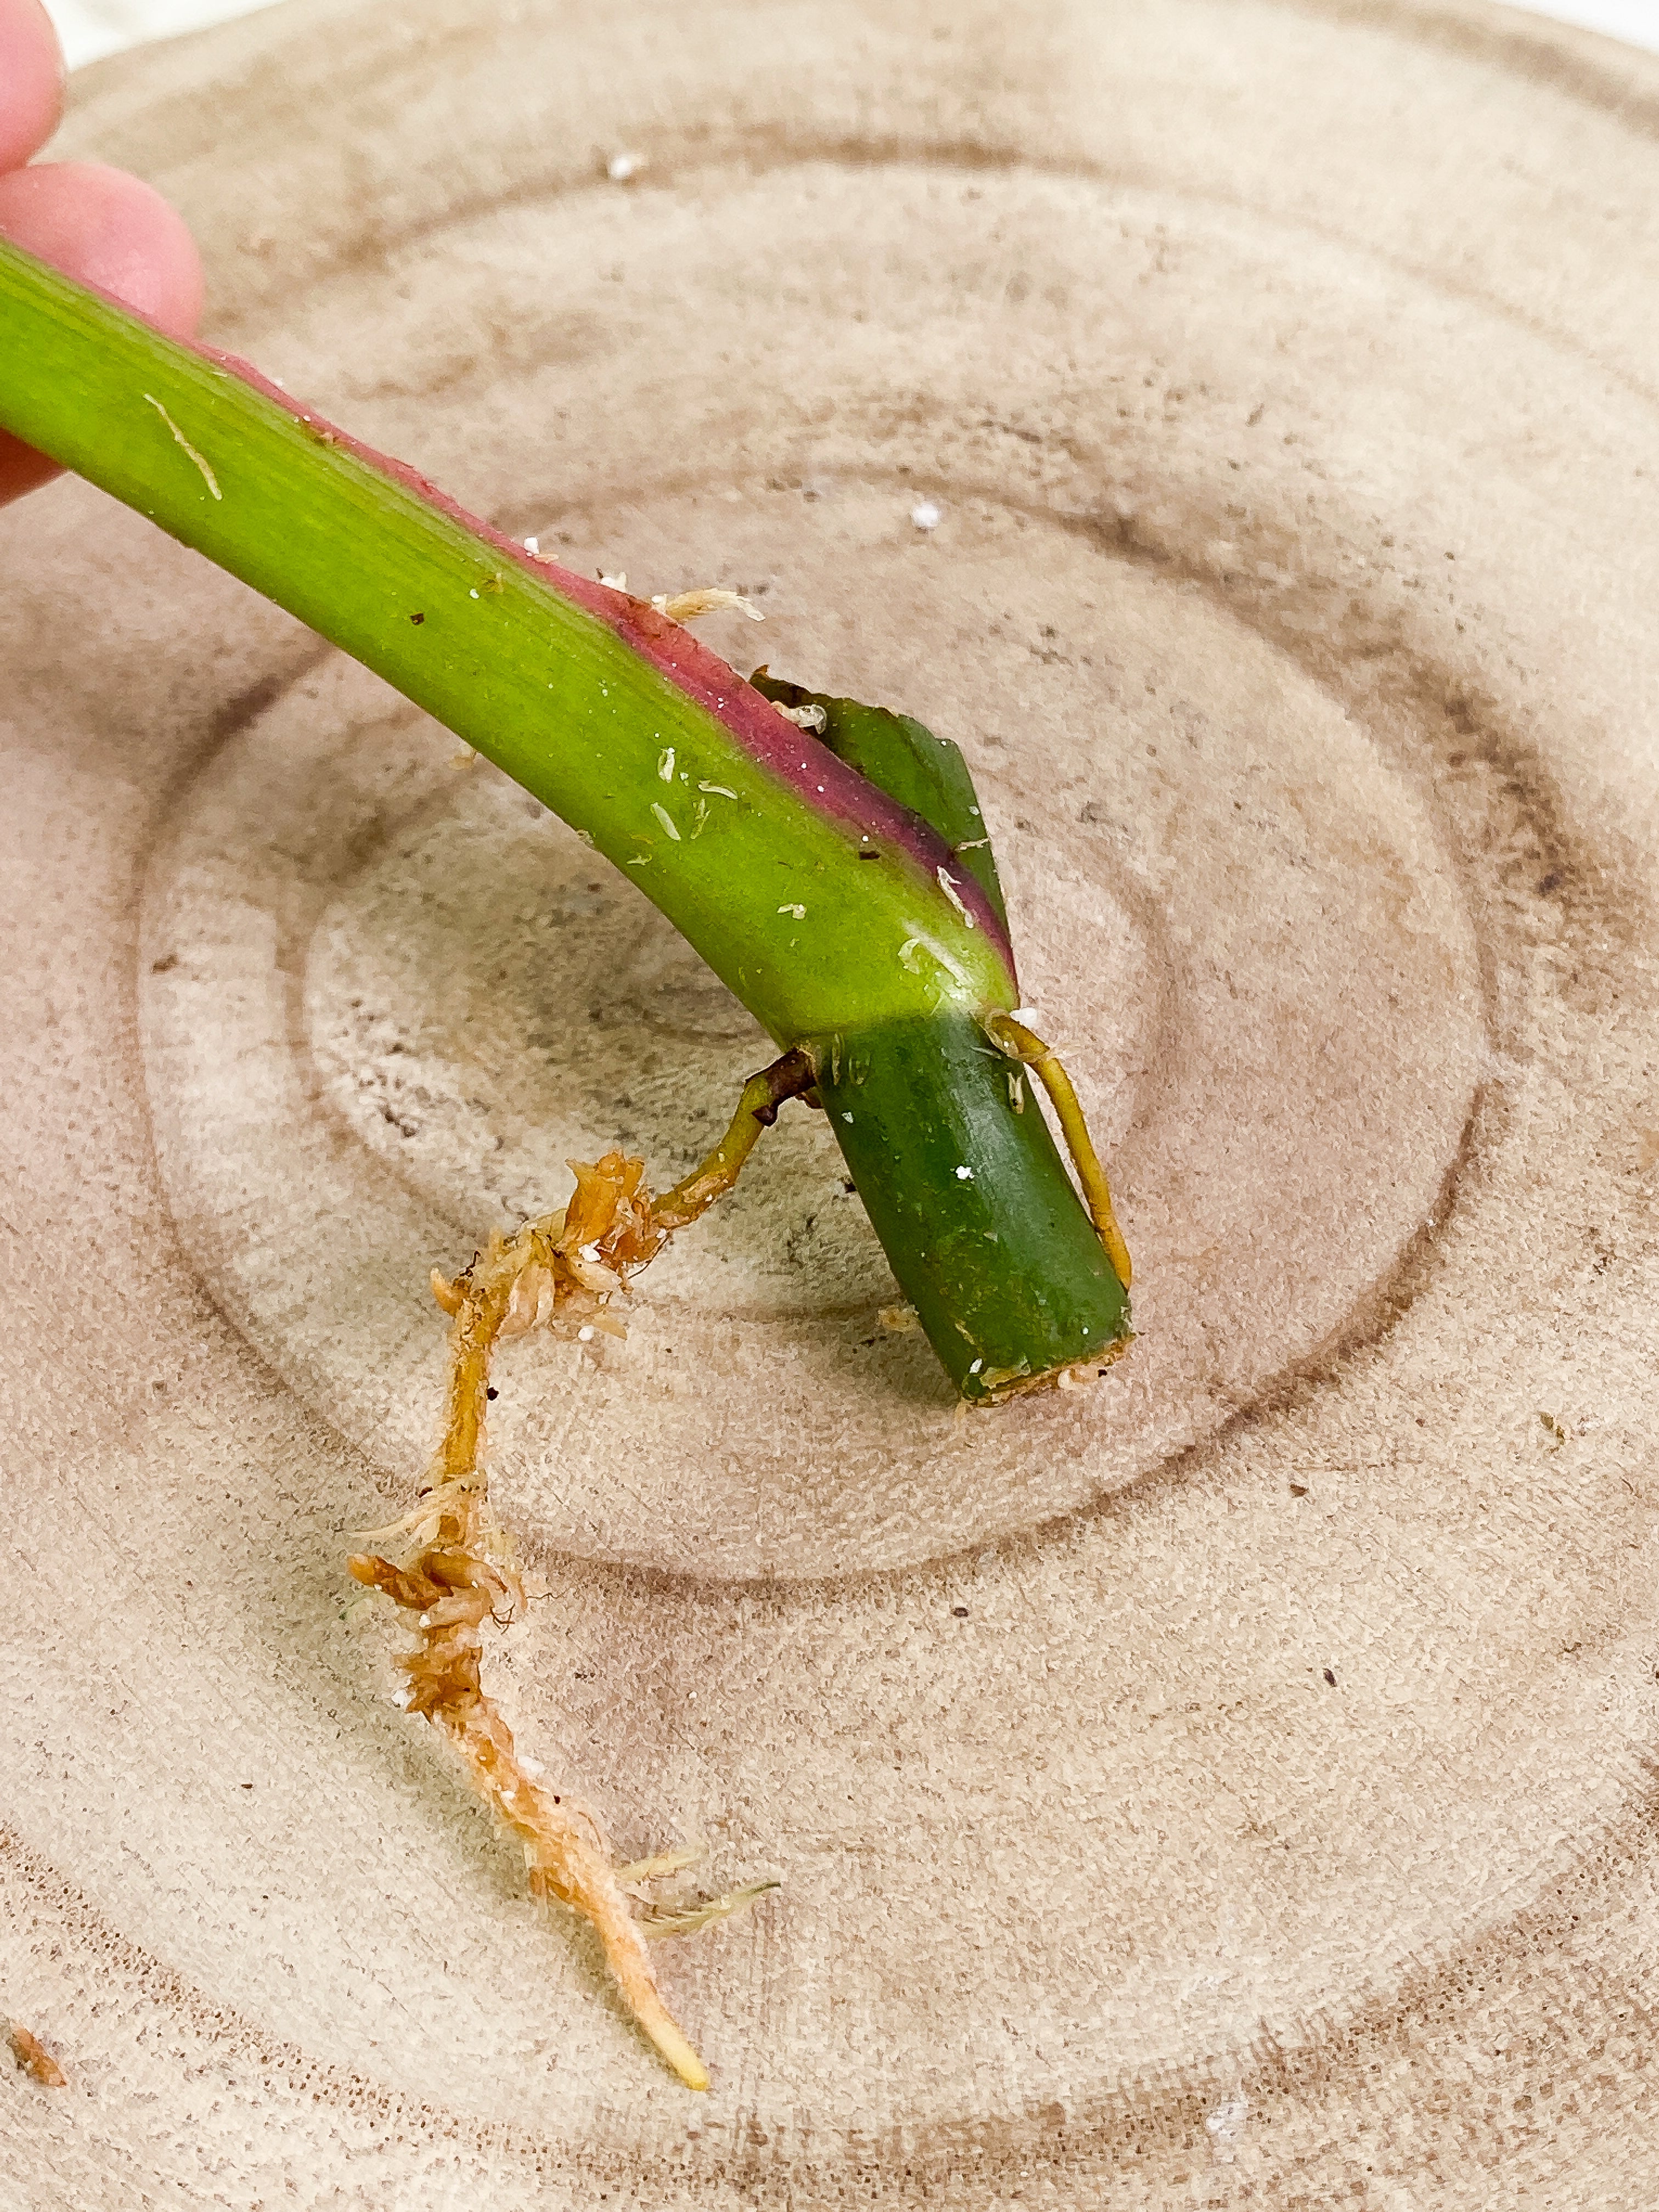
[661, 1920]
[457, 1572]
[757, 1108]
[1024, 1045]
[638, 1873]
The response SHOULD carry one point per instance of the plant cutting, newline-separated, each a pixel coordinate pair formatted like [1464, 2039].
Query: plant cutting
[828, 860]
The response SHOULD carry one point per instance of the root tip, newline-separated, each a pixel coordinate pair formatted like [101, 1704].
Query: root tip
[660, 2026]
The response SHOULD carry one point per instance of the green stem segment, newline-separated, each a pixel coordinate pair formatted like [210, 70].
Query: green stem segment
[959, 1175]
[840, 917]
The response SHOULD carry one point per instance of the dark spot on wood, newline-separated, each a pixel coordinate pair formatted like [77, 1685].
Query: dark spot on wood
[1330, 1678]
[417, 620]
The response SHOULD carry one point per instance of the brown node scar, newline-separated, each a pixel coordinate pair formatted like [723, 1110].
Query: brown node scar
[35, 2059]
[457, 1571]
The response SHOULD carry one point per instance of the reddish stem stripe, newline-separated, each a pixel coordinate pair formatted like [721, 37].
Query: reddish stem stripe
[795, 756]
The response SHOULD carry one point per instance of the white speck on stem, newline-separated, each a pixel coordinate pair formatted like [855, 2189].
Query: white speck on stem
[718, 790]
[666, 820]
[799, 912]
[665, 764]
[208, 476]
[926, 514]
[584, 1335]
[947, 884]
[473, 594]
[964, 1175]
[913, 946]
[532, 545]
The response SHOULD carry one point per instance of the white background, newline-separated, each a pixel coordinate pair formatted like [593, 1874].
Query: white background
[91, 28]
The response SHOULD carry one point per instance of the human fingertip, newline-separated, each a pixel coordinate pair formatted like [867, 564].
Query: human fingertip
[111, 230]
[33, 75]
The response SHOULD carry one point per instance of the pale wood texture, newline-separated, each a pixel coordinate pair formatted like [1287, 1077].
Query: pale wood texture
[1233, 1786]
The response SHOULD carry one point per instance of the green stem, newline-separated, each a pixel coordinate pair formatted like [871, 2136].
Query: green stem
[838, 917]
[957, 1172]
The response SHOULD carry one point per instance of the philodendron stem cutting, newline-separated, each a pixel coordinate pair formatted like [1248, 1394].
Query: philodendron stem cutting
[828, 860]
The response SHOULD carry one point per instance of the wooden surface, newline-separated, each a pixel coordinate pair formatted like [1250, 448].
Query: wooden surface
[1231, 1786]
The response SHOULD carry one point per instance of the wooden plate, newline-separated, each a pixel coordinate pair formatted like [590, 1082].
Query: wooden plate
[1229, 1786]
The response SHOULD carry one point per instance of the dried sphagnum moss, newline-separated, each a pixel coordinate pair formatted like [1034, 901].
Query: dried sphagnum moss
[456, 1571]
